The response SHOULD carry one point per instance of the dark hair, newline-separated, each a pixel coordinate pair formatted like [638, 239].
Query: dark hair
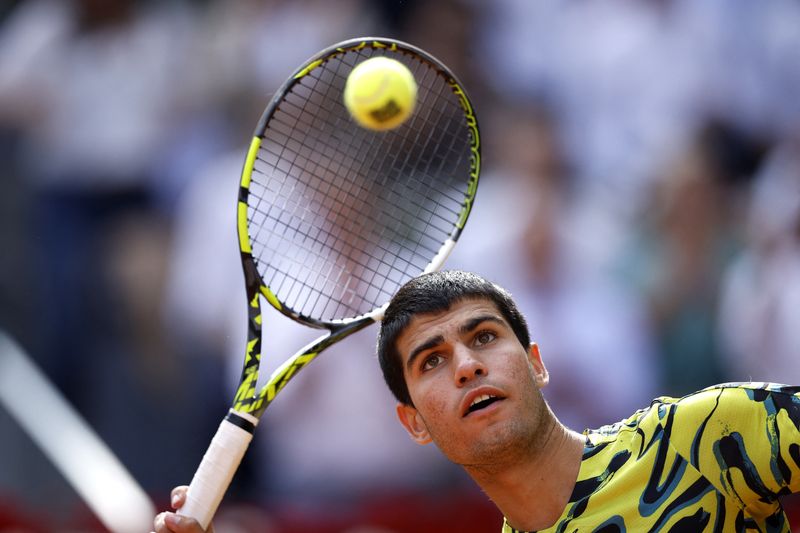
[433, 293]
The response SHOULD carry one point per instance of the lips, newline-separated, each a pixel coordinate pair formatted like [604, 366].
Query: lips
[480, 399]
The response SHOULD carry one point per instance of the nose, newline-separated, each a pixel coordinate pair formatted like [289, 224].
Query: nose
[468, 366]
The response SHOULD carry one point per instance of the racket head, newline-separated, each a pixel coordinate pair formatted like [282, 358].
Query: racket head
[334, 218]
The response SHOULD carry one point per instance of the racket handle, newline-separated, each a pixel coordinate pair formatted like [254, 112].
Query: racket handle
[219, 464]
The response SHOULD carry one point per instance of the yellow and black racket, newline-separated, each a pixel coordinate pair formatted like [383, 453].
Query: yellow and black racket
[334, 218]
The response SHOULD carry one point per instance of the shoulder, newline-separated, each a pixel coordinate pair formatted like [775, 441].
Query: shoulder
[726, 407]
[739, 401]
[724, 425]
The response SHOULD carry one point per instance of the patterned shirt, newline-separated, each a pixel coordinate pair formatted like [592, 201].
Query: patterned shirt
[715, 460]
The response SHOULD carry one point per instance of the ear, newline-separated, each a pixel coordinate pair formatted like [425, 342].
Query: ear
[411, 420]
[539, 371]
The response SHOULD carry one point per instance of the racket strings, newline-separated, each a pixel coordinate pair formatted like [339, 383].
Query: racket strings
[346, 251]
[339, 217]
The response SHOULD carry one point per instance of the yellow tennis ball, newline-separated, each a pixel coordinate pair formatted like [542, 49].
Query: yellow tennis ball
[380, 93]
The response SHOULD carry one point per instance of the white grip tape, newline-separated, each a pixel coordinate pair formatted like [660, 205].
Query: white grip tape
[216, 470]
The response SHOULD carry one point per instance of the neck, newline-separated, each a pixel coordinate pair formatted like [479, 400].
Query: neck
[532, 487]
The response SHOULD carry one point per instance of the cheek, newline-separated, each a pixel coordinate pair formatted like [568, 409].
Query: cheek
[429, 400]
[518, 372]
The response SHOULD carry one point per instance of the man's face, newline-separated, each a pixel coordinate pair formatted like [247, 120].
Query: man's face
[475, 388]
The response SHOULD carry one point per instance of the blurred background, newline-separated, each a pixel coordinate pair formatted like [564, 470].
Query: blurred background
[640, 197]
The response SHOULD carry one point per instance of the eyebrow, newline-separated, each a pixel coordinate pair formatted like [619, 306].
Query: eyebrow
[466, 327]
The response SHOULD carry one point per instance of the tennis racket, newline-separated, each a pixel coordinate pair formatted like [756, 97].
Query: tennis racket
[334, 218]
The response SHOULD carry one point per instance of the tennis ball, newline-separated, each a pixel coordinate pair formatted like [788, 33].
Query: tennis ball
[380, 93]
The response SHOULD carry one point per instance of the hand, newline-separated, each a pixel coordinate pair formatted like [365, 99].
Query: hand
[167, 522]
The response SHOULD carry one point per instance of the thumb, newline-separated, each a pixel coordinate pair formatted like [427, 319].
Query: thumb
[183, 524]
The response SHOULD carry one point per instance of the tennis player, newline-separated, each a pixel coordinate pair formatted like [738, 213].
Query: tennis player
[456, 353]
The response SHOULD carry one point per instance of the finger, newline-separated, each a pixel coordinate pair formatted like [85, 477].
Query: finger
[182, 524]
[159, 525]
[178, 497]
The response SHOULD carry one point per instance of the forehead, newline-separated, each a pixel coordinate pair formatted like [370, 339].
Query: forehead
[444, 323]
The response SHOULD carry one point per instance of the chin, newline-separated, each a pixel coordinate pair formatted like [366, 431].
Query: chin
[498, 443]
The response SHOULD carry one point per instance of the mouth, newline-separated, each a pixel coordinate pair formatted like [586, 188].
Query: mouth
[481, 402]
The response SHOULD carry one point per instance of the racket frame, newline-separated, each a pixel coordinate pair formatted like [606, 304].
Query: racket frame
[235, 432]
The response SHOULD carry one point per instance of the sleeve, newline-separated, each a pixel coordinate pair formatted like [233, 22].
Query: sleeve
[743, 438]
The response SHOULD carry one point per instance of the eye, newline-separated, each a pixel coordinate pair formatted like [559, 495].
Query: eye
[484, 337]
[431, 361]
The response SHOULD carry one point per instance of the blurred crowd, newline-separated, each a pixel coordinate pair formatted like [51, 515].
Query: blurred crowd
[640, 197]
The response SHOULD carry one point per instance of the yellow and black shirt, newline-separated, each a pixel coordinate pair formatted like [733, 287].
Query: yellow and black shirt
[715, 460]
